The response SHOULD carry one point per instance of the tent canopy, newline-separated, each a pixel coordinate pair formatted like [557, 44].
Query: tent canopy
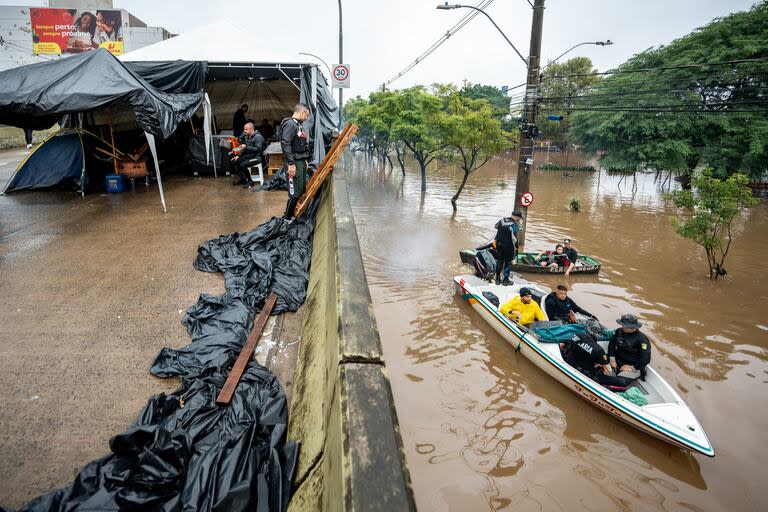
[37, 95]
[226, 49]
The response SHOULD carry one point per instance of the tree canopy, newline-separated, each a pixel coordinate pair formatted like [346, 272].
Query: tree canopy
[700, 100]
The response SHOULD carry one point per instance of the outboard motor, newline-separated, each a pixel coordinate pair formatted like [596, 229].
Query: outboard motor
[485, 265]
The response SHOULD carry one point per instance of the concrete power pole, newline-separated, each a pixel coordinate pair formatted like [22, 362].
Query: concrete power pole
[525, 162]
[341, 61]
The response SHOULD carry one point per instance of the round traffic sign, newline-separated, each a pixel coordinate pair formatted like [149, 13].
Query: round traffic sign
[526, 199]
[341, 72]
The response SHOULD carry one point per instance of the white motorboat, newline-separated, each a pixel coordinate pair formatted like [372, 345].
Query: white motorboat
[665, 416]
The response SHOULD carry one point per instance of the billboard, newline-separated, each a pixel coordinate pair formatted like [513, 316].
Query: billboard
[57, 31]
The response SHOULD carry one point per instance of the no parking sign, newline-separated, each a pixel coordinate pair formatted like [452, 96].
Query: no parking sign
[526, 199]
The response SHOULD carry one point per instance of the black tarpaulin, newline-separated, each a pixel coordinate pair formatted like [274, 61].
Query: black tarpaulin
[178, 76]
[184, 452]
[37, 95]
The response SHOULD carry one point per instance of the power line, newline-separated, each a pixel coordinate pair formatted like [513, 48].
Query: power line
[482, 4]
[661, 68]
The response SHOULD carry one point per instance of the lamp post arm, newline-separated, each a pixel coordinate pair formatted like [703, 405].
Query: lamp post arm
[525, 61]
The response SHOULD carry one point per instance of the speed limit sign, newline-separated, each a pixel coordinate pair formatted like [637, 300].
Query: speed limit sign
[526, 199]
[340, 76]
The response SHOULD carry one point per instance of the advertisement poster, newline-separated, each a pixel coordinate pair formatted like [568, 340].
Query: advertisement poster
[57, 31]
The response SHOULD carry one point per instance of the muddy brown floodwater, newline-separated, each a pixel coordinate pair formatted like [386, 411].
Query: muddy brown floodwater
[483, 428]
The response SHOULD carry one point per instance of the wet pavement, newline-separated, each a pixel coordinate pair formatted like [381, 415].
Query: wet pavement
[483, 428]
[90, 290]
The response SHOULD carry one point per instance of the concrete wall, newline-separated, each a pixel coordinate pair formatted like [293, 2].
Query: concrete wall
[351, 456]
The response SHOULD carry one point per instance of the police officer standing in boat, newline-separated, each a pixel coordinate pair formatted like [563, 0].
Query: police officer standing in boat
[506, 244]
[296, 151]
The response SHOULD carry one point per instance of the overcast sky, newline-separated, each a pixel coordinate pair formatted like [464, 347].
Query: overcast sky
[382, 37]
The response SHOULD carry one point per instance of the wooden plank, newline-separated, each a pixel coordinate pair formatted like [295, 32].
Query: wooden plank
[228, 390]
[325, 168]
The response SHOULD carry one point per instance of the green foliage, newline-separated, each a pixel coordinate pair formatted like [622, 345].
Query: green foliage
[499, 101]
[470, 134]
[714, 204]
[574, 204]
[563, 93]
[707, 127]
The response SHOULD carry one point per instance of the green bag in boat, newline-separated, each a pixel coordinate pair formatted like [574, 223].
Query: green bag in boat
[558, 333]
[635, 396]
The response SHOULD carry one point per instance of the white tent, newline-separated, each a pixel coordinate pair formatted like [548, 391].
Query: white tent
[219, 42]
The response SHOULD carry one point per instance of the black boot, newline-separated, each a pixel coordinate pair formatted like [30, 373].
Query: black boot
[506, 282]
[291, 207]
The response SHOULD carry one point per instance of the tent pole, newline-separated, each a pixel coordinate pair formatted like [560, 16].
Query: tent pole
[112, 136]
[151, 141]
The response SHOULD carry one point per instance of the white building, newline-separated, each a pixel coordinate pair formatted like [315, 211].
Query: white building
[16, 41]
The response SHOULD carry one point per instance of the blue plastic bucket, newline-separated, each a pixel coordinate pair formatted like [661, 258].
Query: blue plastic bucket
[115, 183]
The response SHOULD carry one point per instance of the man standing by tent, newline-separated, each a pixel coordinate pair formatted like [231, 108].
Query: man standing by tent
[238, 120]
[293, 140]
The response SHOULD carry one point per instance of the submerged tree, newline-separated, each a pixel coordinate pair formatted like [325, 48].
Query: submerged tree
[699, 100]
[715, 204]
[417, 126]
[471, 135]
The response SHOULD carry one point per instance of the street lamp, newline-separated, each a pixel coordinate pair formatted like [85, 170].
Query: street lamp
[446, 7]
[597, 43]
[330, 77]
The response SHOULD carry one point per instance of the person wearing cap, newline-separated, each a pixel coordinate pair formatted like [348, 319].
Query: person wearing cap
[629, 350]
[523, 308]
[506, 245]
[572, 254]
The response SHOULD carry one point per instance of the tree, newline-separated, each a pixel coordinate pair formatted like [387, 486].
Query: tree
[715, 204]
[686, 112]
[499, 100]
[416, 126]
[471, 134]
[561, 86]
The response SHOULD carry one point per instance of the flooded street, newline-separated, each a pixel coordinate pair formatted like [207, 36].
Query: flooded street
[483, 428]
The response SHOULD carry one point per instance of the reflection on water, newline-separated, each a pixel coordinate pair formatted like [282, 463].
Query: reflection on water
[485, 429]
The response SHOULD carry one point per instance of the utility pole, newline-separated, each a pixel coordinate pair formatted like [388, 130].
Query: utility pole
[341, 61]
[529, 129]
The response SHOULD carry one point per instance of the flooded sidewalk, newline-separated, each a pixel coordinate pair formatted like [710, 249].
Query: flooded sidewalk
[90, 290]
[483, 428]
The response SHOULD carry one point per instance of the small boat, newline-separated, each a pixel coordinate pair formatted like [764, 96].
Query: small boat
[526, 262]
[665, 415]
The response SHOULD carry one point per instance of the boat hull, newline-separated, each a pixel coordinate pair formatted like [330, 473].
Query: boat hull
[547, 357]
[589, 265]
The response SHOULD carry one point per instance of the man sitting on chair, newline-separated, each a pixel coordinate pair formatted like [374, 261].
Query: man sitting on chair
[247, 154]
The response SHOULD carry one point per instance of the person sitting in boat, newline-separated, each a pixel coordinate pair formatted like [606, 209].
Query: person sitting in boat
[523, 308]
[556, 258]
[559, 306]
[629, 350]
[569, 251]
[586, 355]
[506, 244]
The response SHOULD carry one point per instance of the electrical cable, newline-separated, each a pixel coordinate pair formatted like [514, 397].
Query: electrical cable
[482, 4]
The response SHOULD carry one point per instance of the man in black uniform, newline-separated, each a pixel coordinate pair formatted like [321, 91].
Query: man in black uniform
[586, 355]
[629, 350]
[559, 306]
[239, 120]
[506, 244]
[293, 140]
[249, 153]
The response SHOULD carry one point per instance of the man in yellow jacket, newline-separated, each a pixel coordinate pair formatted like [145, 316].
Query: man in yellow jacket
[523, 308]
